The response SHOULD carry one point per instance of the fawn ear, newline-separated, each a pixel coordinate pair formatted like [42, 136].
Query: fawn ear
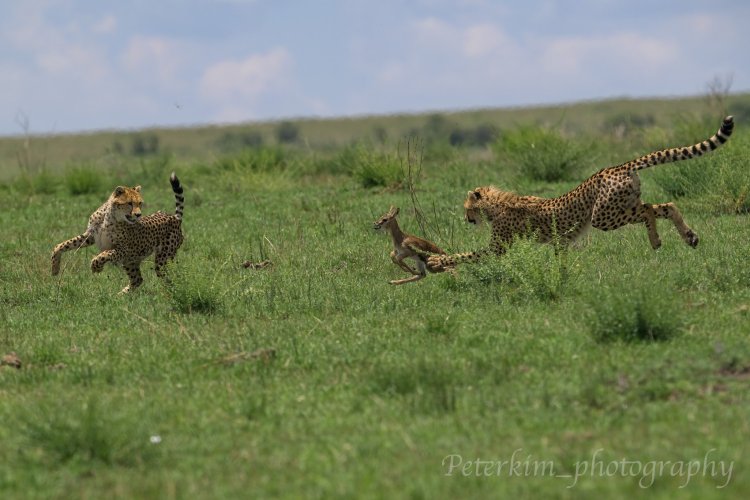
[119, 190]
[395, 210]
[137, 189]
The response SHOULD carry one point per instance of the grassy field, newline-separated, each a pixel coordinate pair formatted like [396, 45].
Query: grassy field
[608, 371]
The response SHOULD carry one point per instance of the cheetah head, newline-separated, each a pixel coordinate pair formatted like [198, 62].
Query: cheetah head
[472, 211]
[126, 204]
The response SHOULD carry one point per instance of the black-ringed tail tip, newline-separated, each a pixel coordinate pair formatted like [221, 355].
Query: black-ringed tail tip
[726, 128]
[179, 198]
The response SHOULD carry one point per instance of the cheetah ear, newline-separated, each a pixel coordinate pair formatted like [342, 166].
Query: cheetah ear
[475, 195]
[137, 189]
[119, 190]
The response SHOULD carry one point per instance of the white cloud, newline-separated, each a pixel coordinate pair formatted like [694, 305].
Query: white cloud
[161, 57]
[484, 39]
[630, 52]
[105, 25]
[239, 84]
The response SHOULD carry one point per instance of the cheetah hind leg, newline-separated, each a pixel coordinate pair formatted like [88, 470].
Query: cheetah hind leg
[136, 279]
[670, 211]
[160, 260]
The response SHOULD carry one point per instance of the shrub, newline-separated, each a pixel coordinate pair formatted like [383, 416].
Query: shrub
[371, 168]
[287, 132]
[479, 136]
[264, 159]
[541, 154]
[144, 144]
[192, 292]
[427, 386]
[232, 141]
[625, 122]
[40, 183]
[635, 315]
[719, 178]
[89, 435]
[83, 180]
[527, 271]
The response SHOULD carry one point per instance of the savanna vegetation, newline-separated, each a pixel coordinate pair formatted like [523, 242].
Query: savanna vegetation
[314, 377]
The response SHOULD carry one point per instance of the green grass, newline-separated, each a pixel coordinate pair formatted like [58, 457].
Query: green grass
[612, 346]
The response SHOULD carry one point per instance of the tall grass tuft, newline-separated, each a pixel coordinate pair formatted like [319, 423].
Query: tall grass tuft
[541, 154]
[260, 159]
[715, 180]
[428, 386]
[87, 434]
[42, 182]
[83, 180]
[193, 292]
[635, 315]
[528, 271]
[371, 168]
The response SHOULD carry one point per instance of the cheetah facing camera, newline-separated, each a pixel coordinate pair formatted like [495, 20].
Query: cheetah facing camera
[607, 200]
[406, 246]
[125, 238]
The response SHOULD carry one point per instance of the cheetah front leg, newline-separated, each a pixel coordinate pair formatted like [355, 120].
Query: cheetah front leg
[97, 263]
[80, 241]
[647, 215]
[131, 268]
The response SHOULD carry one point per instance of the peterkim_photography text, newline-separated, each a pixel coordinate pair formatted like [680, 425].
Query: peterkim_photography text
[521, 464]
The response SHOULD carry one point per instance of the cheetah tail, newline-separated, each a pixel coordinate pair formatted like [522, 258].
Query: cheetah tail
[687, 152]
[179, 199]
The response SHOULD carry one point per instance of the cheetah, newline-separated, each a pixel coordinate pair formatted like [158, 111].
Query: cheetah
[125, 238]
[607, 200]
[406, 246]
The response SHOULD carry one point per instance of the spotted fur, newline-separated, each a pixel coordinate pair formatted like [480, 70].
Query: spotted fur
[125, 238]
[607, 200]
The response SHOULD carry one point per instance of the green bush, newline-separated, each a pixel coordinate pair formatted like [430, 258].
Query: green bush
[626, 122]
[233, 141]
[40, 183]
[427, 386]
[192, 291]
[635, 315]
[144, 144]
[541, 154]
[287, 132]
[263, 159]
[715, 178]
[87, 434]
[527, 271]
[479, 136]
[83, 180]
[371, 168]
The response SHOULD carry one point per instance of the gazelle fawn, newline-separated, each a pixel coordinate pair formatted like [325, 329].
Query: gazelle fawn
[406, 246]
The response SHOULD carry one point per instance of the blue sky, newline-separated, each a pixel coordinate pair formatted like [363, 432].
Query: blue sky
[70, 65]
